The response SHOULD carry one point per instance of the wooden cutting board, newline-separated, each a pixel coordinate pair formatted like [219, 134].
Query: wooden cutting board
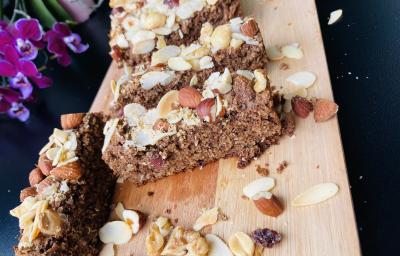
[315, 155]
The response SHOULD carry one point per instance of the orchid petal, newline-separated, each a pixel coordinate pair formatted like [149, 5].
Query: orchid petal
[7, 69]
[62, 29]
[56, 45]
[26, 49]
[29, 29]
[74, 43]
[9, 95]
[21, 83]
[41, 81]
[11, 55]
[28, 68]
[5, 39]
[64, 60]
[4, 106]
[18, 110]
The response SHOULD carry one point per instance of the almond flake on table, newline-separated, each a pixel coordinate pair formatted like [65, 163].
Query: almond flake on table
[335, 16]
[316, 194]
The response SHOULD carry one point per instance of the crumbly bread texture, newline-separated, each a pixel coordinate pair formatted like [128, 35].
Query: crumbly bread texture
[82, 205]
[248, 127]
[185, 30]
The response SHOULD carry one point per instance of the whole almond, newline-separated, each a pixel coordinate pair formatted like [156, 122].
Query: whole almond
[189, 97]
[26, 192]
[45, 165]
[35, 176]
[324, 110]
[268, 204]
[48, 181]
[71, 121]
[71, 171]
[301, 106]
[204, 110]
[249, 28]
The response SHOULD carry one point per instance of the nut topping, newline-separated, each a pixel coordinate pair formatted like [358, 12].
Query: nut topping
[301, 106]
[115, 232]
[167, 103]
[241, 244]
[135, 219]
[35, 176]
[189, 97]
[259, 185]
[45, 165]
[71, 121]
[153, 20]
[316, 194]
[249, 28]
[217, 246]
[209, 217]
[205, 109]
[71, 171]
[221, 37]
[27, 192]
[267, 203]
[324, 110]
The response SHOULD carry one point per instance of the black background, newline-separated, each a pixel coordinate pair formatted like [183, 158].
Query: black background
[362, 51]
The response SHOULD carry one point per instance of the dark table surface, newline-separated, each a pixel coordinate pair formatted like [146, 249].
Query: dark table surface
[364, 67]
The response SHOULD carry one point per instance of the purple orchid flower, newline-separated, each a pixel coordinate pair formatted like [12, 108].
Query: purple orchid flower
[25, 35]
[7, 97]
[59, 39]
[19, 111]
[20, 70]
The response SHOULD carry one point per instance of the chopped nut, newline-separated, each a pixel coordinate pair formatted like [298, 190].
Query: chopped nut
[236, 43]
[261, 81]
[302, 79]
[153, 20]
[189, 97]
[221, 37]
[335, 16]
[282, 166]
[217, 246]
[241, 244]
[167, 103]
[182, 241]
[115, 232]
[206, 111]
[134, 219]
[35, 176]
[27, 192]
[164, 54]
[209, 217]
[119, 208]
[274, 53]
[249, 28]
[178, 64]
[324, 110]
[259, 185]
[292, 51]
[49, 223]
[301, 106]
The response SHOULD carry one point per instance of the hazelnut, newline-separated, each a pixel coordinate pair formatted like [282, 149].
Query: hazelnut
[189, 97]
[205, 109]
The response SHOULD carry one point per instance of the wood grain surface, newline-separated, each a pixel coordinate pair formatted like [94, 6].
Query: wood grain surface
[314, 155]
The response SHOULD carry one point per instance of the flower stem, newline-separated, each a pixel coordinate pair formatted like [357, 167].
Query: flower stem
[1, 9]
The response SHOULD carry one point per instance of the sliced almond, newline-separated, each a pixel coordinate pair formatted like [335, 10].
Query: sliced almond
[245, 73]
[241, 244]
[108, 250]
[259, 185]
[316, 194]
[274, 53]
[335, 16]
[50, 223]
[292, 51]
[152, 20]
[164, 54]
[169, 101]
[115, 232]
[217, 246]
[119, 208]
[179, 64]
[133, 218]
[221, 37]
[152, 78]
[209, 217]
[142, 35]
[302, 79]
[236, 43]
[144, 46]
[206, 62]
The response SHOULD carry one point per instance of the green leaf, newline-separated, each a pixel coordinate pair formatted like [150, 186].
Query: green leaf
[57, 10]
[40, 11]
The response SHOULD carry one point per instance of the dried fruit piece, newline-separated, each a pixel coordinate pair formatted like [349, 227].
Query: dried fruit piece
[241, 244]
[209, 217]
[45, 165]
[167, 103]
[71, 121]
[115, 232]
[71, 171]
[292, 51]
[316, 194]
[135, 219]
[35, 176]
[27, 192]
[217, 246]
[302, 79]
[324, 110]
[108, 250]
[189, 97]
[266, 237]
[301, 106]
[274, 53]
[268, 204]
[335, 16]
[259, 185]
[249, 28]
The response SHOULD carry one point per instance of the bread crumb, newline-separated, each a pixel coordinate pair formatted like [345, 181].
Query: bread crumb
[282, 166]
[262, 171]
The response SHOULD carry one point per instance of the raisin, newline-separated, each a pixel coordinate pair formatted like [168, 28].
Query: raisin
[266, 237]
